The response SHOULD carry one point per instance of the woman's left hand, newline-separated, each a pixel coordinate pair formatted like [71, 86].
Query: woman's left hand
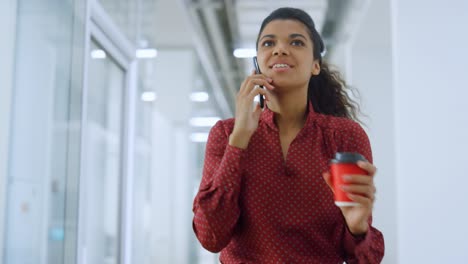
[361, 189]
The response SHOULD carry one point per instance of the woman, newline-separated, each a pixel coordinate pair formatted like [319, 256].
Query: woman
[264, 197]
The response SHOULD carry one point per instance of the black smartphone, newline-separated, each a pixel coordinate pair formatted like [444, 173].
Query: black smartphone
[257, 69]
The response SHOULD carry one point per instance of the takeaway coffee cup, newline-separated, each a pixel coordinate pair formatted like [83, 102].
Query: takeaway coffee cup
[344, 163]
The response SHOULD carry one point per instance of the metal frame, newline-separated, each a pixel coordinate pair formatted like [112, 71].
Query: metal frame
[7, 26]
[106, 33]
[78, 79]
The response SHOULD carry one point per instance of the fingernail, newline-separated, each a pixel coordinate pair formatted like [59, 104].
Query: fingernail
[269, 80]
[346, 178]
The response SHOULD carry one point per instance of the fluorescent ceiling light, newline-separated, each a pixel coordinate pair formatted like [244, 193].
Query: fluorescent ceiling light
[98, 54]
[199, 137]
[146, 53]
[148, 96]
[204, 121]
[199, 96]
[244, 53]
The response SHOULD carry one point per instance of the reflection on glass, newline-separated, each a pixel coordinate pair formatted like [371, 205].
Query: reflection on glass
[102, 164]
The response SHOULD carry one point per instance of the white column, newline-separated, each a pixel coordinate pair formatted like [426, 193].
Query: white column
[161, 187]
[172, 178]
[372, 74]
[431, 94]
[182, 195]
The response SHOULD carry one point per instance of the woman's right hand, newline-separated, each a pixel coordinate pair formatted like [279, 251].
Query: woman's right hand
[248, 114]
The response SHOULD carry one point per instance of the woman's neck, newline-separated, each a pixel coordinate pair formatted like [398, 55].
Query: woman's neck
[290, 112]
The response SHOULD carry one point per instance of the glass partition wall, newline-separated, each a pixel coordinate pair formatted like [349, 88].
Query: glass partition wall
[40, 191]
[103, 160]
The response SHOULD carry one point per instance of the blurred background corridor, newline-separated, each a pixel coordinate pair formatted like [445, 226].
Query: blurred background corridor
[106, 105]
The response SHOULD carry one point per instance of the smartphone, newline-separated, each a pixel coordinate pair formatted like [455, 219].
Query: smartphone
[257, 70]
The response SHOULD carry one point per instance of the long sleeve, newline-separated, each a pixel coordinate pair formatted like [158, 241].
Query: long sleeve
[370, 247]
[216, 207]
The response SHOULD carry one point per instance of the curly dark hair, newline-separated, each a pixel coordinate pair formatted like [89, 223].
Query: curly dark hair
[327, 91]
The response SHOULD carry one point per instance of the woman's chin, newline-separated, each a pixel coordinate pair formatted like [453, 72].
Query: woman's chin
[286, 84]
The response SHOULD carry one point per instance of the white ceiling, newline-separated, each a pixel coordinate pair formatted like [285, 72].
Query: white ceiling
[250, 14]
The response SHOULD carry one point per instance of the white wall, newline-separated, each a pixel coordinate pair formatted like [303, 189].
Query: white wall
[408, 60]
[171, 172]
[171, 193]
[161, 187]
[431, 93]
[7, 27]
[371, 72]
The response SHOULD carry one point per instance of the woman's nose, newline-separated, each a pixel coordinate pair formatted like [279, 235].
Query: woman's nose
[280, 49]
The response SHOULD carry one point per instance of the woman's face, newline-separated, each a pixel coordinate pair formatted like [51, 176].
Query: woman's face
[285, 54]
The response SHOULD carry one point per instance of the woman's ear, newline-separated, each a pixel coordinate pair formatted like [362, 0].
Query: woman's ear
[316, 68]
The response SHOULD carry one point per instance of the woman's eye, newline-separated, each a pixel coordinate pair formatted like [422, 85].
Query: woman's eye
[297, 43]
[267, 43]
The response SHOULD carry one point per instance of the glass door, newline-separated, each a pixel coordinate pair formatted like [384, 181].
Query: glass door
[107, 129]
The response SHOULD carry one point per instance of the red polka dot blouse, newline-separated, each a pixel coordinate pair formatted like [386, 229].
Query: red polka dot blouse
[257, 207]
